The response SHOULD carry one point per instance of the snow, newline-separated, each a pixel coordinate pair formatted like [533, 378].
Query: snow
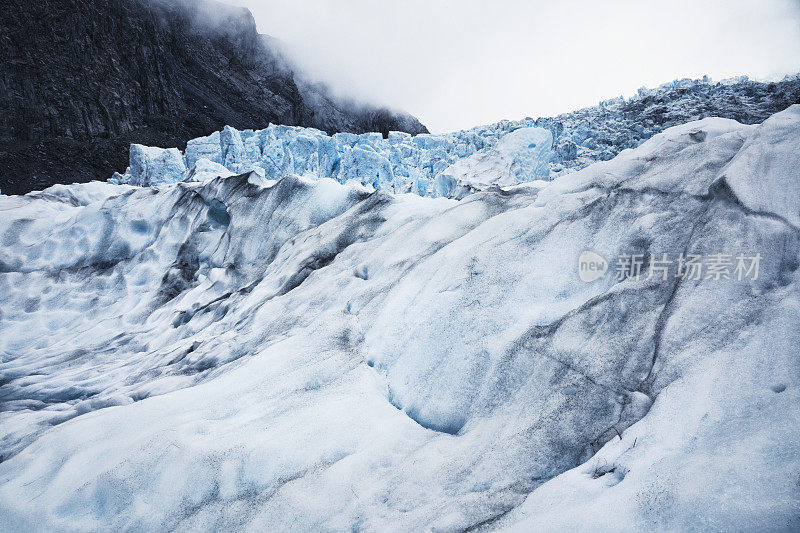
[771, 153]
[266, 351]
[717, 451]
[204, 170]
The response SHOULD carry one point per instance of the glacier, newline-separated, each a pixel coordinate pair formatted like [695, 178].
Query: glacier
[273, 348]
[438, 165]
[422, 164]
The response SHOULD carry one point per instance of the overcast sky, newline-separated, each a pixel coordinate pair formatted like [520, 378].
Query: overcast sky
[458, 64]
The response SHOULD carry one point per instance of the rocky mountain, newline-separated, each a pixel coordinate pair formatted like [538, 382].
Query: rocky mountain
[80, 80]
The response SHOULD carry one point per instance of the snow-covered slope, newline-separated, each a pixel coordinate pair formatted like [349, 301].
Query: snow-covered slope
[299, 354]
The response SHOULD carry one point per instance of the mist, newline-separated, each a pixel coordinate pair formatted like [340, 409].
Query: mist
[459, 64]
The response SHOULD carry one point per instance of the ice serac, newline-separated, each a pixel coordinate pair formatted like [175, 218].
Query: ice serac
[520, 156]
[150, 165]
[399, 163]
[432, 165]
[305, 354]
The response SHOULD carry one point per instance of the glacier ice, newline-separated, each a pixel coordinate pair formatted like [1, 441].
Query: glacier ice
[423, 164]
[298, 353]
[399, 163]
[428, 165]
[770, 155]
[150, 165]
[519, 156]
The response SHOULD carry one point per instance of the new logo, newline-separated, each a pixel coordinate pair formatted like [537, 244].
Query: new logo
[591, 266]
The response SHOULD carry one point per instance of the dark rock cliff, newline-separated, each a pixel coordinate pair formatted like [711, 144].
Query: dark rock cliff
[82, 79]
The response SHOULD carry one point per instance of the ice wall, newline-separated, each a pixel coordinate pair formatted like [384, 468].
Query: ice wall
[399, 163]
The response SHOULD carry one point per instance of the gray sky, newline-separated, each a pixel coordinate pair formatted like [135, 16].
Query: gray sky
[458, 64]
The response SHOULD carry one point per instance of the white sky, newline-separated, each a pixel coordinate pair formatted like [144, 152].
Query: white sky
[458, 64]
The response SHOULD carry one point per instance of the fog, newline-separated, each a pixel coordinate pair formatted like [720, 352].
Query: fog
[457, 64]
